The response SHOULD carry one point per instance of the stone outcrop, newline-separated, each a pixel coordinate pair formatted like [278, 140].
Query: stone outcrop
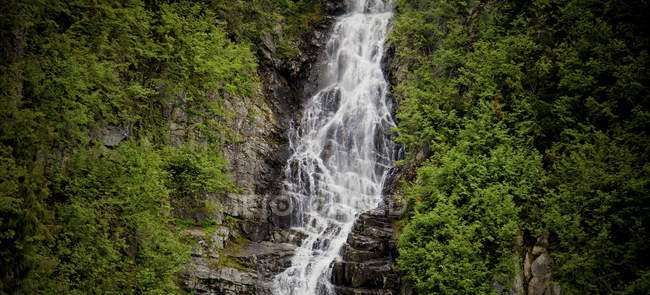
[538, 269]
[368, 256]
[532, 272]
[112, 135]
[243, 267]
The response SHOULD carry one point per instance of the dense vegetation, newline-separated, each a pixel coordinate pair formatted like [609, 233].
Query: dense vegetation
[526, 119]
[81, 217]
[521, 119]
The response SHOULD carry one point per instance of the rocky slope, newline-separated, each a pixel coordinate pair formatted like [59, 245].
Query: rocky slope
[251, 245]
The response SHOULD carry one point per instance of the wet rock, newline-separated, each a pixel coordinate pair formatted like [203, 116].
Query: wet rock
[268, 258]
[208, 280]
[288, 236]
[387, 65]
[369, 255]
[328, 150]
[245, 206]
[356, 255]
[335, 7]
[256, 232]
[255, 266]
[373, 274]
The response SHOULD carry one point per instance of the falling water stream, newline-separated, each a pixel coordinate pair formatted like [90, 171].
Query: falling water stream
[342, 150]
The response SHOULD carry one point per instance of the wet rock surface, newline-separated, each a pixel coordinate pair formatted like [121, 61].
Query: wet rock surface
[369, 255]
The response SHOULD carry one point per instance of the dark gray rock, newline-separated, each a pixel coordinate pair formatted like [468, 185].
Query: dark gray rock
[335, 7]
[113, 135]
[209, 280]
[248, 269]
[369, 255]
[256, 232]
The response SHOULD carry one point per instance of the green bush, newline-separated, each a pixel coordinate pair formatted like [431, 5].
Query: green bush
[525, 117]
[77, 217]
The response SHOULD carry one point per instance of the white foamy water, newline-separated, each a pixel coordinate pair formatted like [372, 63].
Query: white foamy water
[341, 150]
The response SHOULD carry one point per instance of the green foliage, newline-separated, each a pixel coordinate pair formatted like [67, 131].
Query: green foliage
[599, 208]
[22, 217]
[195, 172]
[110, 229]
[122, 64]
[111, 215]
[465, 209]
[78, 217]
[284, 21]
[524, 117]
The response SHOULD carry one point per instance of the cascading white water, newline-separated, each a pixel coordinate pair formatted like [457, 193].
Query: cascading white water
[341, 150]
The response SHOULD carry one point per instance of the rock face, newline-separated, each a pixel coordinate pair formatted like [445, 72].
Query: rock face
[250, 246]
[535, 275]
[248, 269]
[369, 254]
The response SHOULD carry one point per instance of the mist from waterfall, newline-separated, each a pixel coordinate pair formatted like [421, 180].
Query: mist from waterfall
[341, 149]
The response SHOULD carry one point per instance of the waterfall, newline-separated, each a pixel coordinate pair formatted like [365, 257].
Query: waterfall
[342, 150]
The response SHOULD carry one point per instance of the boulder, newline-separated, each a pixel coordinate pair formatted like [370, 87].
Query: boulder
[539, 286]
[541, 267]
[113, 135]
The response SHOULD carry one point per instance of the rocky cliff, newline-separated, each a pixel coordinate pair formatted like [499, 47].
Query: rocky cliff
[369, 254]
[250, 246]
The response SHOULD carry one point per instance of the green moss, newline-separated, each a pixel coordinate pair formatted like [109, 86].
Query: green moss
[226, 261]
[236, 243]
[228, 255]
[187, 224]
